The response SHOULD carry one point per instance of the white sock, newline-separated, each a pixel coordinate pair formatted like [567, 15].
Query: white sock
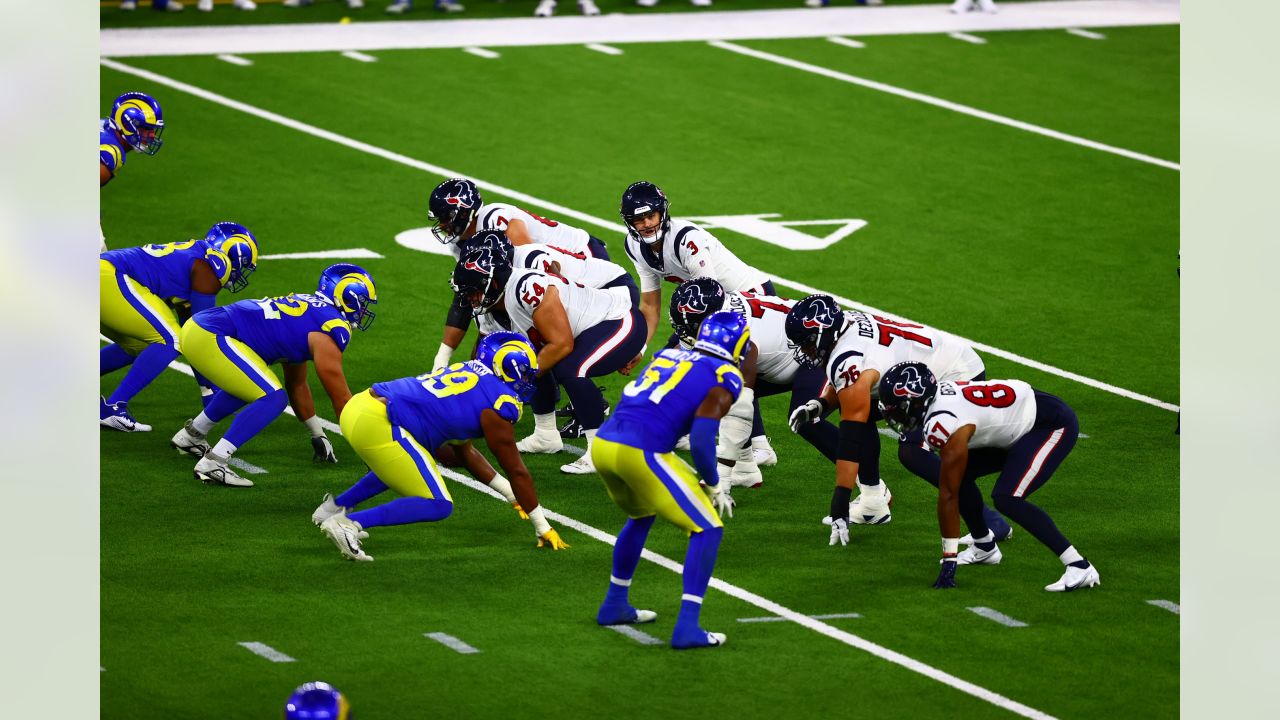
[1070, 555]
[202, 424]
[543, 424]
[223, 449]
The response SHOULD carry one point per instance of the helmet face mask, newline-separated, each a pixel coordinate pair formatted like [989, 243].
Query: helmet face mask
[724, 335]
[691, 303]
[137, 119]
[905, 392]
[350, 288]
[481, 276]
[454, 205]
[644, 204]
[234, 242]
[813, 326]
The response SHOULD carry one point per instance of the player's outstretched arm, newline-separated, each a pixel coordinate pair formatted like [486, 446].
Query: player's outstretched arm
[552, 322]
[650, 301]
[465, 455]
[455, 329]
[328, 360]
[702, 445]
[955, 458]
[304, 407]
[500, 435]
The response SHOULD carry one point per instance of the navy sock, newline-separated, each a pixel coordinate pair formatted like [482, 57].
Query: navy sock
[221, 405]
[699, 561]
[1082, 564]
[1036, 521]
[365, 488]
[403, 511]
[112, 358]
[146, 367]
[255, 417]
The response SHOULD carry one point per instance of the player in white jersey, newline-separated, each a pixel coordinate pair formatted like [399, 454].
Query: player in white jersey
[579, 332]
[856, 348]
[459, 214]
[982, 428]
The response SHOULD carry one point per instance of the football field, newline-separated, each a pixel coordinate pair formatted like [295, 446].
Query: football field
[1018, 189]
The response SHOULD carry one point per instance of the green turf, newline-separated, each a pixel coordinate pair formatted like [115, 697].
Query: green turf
[1059, 253]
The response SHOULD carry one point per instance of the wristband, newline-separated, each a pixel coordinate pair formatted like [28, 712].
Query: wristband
[540, 525]
[503, 486]
[443, 356]
[950, 546]
[313, 424]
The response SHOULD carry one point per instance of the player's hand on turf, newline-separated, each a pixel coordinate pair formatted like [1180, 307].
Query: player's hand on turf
[721, 499]
[809, 412]
[323, 450]
[839, 532]
[552, 538]
[947, 575]
[523, 515]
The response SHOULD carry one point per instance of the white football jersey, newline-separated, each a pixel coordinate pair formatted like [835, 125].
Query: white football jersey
[590, 271]
[586, 307]
[686, 252]
[871, 342]
[488, 323]
[496, 216]
[1000, 411]
[767, 317]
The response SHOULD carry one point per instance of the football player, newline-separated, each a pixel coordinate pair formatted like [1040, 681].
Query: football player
[317, 701]
[400, 427]
[855, 348]
[580, 333]
[459, 214]
[136, 289]
[983, 428]
[233, 346]
[680, 392]
[135, 123]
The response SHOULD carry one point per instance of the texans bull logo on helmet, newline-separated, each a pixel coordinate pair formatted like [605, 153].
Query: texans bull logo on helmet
[481, 260]
[695, 301]
[911, 385]
[461, 196]
[813, 321]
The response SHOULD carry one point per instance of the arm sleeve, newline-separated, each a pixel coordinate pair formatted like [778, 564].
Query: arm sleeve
[459, 314]
[201, 301]
[702, 444]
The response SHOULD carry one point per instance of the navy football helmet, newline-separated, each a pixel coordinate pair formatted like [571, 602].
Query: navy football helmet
[317, 701]
[351, 290]
[453, 205]
[906, 390]
[692, 302]
[233, 254]
[495, 239]
[640, 199]
[512, 359]
[725, 335]
[137, 118]
[481, 276]
[813, 325]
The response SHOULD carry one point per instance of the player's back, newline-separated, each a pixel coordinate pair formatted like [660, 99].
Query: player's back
[767, 317]
[1001, 411]
[278, 329]
[498, 216]
[658, 407]
[446, 405]
[589, 271]
[163, 269]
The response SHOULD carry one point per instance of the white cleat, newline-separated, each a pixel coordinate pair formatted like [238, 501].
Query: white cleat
[683, 443]
[173, 6]
[647, 3]
[355, 4]
[546, 8]
[968, 538]
[205, 5]
[764, 454]
[581, 466]
[212, 472]
[871, 507]
[295, 3]
[127, 5]
[345, 534]
[987, 6]
[588, 7]
[700, 3]
[977, 556]
[189, 442]
[328, 508]
[245, 5]
[548, 442]
[644, 616]
[1075, 579]
[745, 474]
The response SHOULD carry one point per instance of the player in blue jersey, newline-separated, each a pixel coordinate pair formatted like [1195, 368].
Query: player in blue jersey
[137, 288]
[400, 428]
[681, 392]
[317, 701]
[135, 123]
[233, 346]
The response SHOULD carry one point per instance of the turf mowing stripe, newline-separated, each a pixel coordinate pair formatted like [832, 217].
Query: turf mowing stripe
[247, 466]
[352, 254]
[639, 636]
[606, 49]
[235, 60]
[996, 616]
[966, 37]
[1078, 32]
[1172, 607]
[357, 55]
[266, 651]
[944, 104]
[575, 214]
[846, 42]
[451, 642]
[774, 618]
[481, 52]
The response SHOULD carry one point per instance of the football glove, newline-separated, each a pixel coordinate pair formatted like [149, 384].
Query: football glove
[947, 575]
[809, 412]
[839, 532]
[720, 498]
[323, 450]
[523, 515]
[552, 538]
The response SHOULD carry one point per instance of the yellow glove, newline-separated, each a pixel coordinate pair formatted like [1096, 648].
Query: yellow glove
[523, 515]
[552, 538]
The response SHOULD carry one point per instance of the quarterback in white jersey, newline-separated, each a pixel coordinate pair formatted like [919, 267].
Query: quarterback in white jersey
[984, 428]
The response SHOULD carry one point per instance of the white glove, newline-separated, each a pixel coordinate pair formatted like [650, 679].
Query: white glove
[323, 450]
[443, 355]
[809, 412]
[839, 531]
[721, 499]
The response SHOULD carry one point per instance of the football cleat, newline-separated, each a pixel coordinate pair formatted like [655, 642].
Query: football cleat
[189, 442]
[212, 472]
[588, 7]
[548, 442]
[624, 615]
[683, 443]
[977, 556]
[546, 8]
[968, 539]
[328, 508]
[1075, 579]
[574, 429]
[581, 466]
[745, 474]
[872, 505]
[700, 3]
[345, 534]
[116, 417]
[763, 453]
[698, 638]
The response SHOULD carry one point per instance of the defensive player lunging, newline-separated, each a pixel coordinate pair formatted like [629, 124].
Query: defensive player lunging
[680, 392]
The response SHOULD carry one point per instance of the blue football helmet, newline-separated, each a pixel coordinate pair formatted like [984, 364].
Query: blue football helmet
[351, 290]
[691, 303]
[453, 205]
[640, 199]
[512, 359]
[725, 335]
[906, 390]
[233, 254]
[137, 118]
[481, 276]
[317, 701]
[813, 325]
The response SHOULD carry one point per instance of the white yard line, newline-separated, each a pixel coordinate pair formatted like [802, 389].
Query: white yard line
[966, 37]
[359, 56]
[997, 616]
[606, 49]
[846, 42]
[266, 651]
[1086, 34]
[451, 642]
[570, 212]
[351, 254]
[775, 618]
[1172, 607]
[236, 60]
[941, 103]
[481, 52]
[639, 636]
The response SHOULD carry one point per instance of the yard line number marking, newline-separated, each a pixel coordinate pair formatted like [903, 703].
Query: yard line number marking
[775, 618]
[236, 60]
[359, 56]
[606, 49]
[997, 616]
[1169, 605]
[451, 642]
[481, 52]
[266, 651]
[847, 42]
[1078, 32]
[966, 37]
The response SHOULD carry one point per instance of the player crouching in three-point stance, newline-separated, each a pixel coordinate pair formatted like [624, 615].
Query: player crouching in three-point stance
[399, 427]
[233, 346]
[680, 392]
[980, 428]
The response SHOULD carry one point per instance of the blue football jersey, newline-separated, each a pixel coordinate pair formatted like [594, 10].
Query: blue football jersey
[445, 405]
[277, 328]
[163, 269]
[657, 408]
[110, 151]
